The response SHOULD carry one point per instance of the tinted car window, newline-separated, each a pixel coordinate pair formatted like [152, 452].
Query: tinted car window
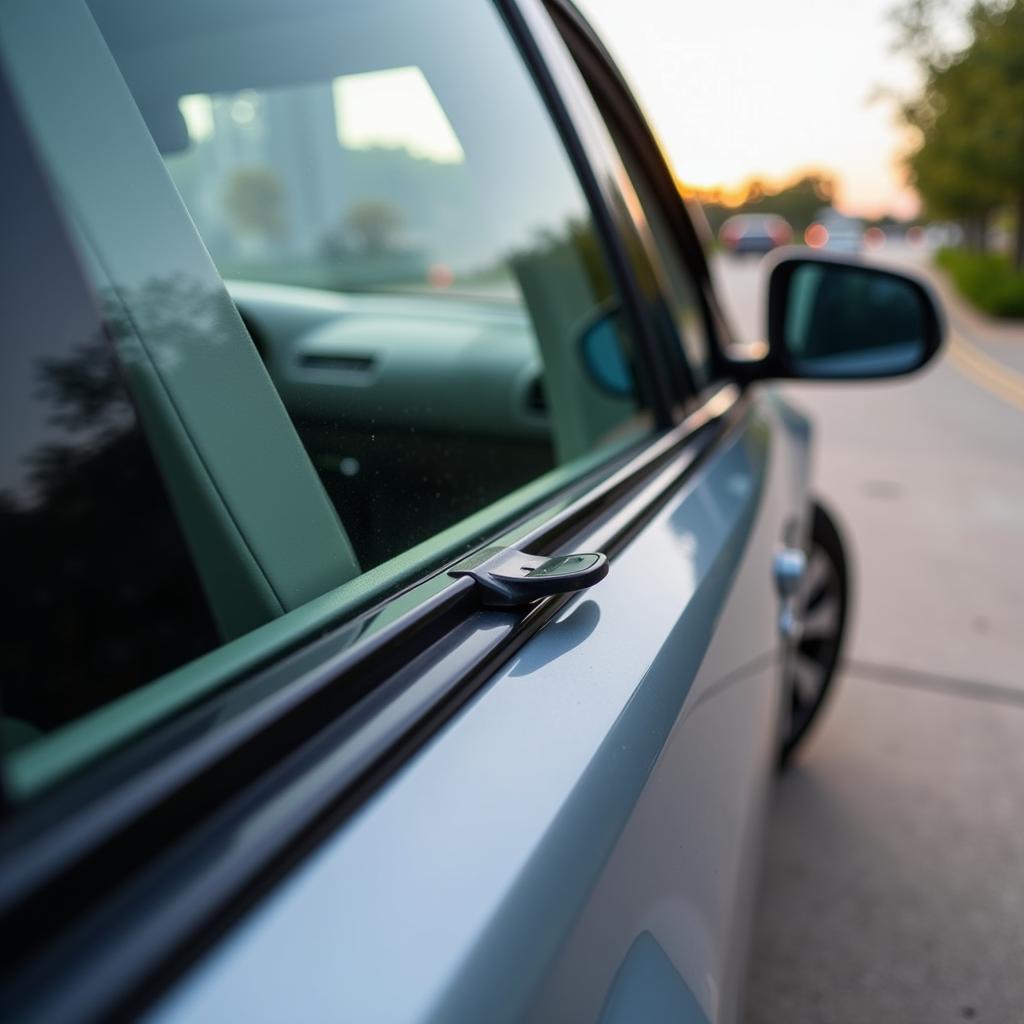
[419, 271]
[99, 592]
[415, 259]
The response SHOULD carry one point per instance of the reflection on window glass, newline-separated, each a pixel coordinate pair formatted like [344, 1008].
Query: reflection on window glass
[99, 592]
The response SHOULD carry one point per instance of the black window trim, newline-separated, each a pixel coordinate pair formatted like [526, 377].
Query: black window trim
[337, 729]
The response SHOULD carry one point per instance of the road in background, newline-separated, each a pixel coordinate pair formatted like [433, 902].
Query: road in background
[893, 885]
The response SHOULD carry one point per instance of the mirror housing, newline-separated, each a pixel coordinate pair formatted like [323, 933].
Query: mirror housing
[842, 318]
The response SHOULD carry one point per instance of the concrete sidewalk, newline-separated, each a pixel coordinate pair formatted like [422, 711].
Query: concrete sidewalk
[893, 881]
[892, 889]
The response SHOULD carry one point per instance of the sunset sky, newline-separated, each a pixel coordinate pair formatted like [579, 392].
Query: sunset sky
[738, 88]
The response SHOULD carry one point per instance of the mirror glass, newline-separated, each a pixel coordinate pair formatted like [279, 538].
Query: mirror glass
[851, 321]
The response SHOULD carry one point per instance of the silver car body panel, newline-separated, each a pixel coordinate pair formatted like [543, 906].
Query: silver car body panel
[581, 839]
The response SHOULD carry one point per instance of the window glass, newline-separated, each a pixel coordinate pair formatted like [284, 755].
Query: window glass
[383, 192]
[99, 592]
[400, 227]
[683, 296]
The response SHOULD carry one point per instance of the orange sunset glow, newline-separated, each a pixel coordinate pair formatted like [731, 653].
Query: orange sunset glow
[741, 90]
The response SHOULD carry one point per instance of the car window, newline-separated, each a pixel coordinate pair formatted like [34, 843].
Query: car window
[420, 273]
[682, 291]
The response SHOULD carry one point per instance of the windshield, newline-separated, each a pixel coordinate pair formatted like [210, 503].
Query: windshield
[349, 158]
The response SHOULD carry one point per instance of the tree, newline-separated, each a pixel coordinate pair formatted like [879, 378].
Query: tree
[375, 222]
[997, 65]
[948, 168]
[253, 200]
[799, 201]
[969, 115]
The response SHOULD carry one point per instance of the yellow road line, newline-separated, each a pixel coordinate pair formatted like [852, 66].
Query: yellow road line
[987, 372]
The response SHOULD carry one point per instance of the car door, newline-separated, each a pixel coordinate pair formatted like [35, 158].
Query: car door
[373, 795]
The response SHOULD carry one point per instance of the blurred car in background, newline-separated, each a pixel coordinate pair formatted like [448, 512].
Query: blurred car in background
[831, 230]
[874, 238]
[755, 232]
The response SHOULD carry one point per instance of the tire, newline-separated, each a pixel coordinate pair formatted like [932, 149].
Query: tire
[823, 602]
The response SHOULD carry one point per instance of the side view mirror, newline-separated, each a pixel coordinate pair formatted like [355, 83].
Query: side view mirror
[838, 318]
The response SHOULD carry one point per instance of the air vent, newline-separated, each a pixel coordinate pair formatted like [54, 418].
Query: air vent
[349, 364]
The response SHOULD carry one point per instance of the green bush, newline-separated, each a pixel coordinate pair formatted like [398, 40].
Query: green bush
[986, 279]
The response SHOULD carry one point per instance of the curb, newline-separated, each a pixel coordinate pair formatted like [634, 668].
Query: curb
[986, 328]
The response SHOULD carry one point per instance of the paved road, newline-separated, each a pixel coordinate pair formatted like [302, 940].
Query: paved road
[893, 884]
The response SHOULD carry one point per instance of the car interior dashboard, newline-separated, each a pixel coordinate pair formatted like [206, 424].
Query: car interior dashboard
[425, 406]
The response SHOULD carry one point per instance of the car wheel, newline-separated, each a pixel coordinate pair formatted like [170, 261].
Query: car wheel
[822, 603]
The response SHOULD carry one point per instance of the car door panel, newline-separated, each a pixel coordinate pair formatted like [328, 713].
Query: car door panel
[601, 786]
[683, 871]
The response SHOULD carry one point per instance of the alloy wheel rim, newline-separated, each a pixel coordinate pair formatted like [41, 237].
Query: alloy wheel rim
[812, 658]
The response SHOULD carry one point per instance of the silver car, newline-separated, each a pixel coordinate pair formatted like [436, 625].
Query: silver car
[410, 590]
